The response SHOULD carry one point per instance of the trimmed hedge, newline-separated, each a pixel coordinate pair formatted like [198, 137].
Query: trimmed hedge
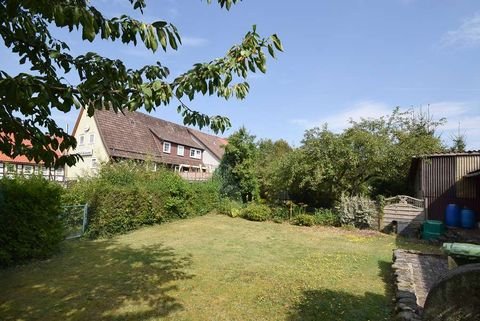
[30, 223]
[126, 196]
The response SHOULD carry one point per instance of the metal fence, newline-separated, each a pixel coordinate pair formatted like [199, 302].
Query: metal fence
[75, 220]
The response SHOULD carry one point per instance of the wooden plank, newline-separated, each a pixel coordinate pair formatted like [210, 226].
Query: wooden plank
[403, 210]
[404, 219]
[403, 206]
[403, 214]
[407, 217]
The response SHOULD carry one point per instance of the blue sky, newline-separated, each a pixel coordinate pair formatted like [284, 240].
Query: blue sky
[343, 59]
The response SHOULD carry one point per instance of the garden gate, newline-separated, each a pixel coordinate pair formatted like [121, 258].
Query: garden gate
[75, 220]
[404, 214]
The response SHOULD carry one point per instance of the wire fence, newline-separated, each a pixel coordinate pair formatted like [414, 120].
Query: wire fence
[75, 218]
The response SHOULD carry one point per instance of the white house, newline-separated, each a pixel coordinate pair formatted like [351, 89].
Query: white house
[133, 135]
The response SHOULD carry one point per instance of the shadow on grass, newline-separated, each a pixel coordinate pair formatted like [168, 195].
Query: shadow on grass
[385, 271]
[339, 306]
[327, 304]
[95, 281]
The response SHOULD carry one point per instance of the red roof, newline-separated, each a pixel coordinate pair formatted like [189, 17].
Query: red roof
[21, 159]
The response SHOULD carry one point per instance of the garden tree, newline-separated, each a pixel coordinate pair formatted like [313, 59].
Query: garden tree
[28, 99]
[237, 167]
[371, 157]
[459, 143]
[409, 134]
[330, 164]
[269, 154]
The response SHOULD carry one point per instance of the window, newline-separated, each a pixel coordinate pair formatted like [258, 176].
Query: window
[94, 163]
[82, 140]
[59, 172]
[46, 172]
[180, 150]
[195, 153]
[1, 169]
[28, 170]
[10, 168]
[166, 147]
[92, 139]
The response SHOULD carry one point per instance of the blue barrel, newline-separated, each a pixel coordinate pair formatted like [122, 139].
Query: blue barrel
[452, 215]
[468, 218]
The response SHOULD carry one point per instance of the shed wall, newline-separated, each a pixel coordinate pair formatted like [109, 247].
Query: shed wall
[443, 183]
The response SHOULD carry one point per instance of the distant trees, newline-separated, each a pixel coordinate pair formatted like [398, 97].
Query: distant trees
[237, 168]
[371, 157]
[459, 144]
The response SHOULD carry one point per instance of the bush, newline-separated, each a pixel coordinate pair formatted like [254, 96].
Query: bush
[280, 214]
[304, 220]
[326, 217]
[30, 224]
[126, 196]
[256, 212]
[229, 207]
[205, 197]
[357, 211]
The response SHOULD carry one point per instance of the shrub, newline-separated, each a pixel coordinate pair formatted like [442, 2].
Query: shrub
[30, 224]
[126, 196]
[304, 220]
[229, 207]
[278, 220]
[256, 212]
[280, 214]
[357, 211]
[326, 217]
[205, 197]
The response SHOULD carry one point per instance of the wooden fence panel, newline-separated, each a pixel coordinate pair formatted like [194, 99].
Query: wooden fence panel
[404, 213]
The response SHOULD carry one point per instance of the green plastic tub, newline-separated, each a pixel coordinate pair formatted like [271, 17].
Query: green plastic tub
[432, 229]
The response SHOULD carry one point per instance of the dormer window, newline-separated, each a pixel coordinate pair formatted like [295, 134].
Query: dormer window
[195, 153]
[166, 147]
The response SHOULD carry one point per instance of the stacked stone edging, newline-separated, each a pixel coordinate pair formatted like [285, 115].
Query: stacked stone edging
[406, 308]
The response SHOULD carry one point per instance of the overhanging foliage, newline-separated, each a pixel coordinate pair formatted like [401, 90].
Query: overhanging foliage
[28, 99]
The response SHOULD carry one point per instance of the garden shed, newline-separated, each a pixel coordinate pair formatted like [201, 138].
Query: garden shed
[448, 178]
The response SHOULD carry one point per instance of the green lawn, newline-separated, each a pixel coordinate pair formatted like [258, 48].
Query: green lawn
[208, 268]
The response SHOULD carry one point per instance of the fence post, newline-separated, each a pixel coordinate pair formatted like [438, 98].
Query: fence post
[85, 214]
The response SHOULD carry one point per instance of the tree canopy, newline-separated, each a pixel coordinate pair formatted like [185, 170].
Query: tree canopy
[28, 99]
[237, 167]
[371, 157]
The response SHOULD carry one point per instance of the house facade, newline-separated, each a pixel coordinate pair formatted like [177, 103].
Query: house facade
[136, 136]
[21, 165]
[449, 178]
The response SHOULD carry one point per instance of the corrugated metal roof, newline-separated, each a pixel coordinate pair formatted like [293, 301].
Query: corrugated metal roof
[465, 153]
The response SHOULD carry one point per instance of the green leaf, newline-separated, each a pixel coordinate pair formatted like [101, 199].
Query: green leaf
[271, 51]
[276, 42]
[159, 24]
[163, 38]
[171, 40]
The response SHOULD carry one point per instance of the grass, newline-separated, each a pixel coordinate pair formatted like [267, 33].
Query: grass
[209, 268]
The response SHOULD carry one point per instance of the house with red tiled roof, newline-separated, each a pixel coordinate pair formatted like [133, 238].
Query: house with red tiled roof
[108, 136]
[21, 165]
